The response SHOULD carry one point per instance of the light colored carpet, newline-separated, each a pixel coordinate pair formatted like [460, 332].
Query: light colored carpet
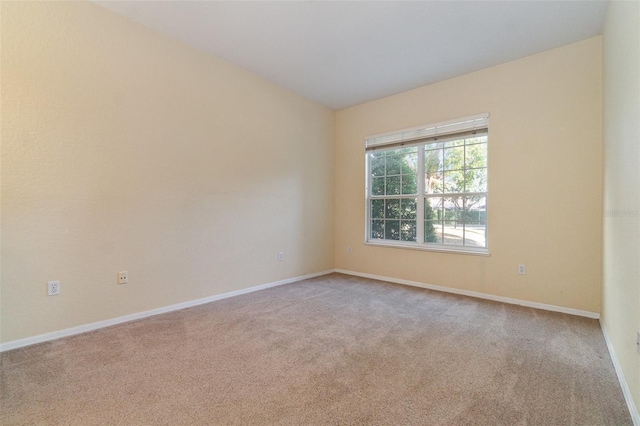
[330, 350]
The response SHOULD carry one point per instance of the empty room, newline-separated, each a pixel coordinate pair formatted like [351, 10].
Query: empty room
[329, 212]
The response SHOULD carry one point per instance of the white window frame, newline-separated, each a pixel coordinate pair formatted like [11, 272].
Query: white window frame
[421, 136]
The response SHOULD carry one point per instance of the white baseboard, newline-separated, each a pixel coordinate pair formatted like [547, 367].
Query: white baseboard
[113, 321]
[476, 294]
[15, 344]
[635, 417]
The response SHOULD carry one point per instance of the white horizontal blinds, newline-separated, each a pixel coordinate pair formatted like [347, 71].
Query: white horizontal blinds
[437, 132]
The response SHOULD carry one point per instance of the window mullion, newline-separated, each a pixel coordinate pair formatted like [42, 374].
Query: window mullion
[367, 208]
[420, 199]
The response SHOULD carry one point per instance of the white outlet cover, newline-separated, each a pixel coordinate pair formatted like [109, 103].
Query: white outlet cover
[53, 288]
[123, 277]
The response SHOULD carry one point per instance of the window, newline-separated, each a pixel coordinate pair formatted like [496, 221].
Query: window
[427, 187]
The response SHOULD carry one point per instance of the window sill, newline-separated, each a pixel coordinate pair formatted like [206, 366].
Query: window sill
[440, 249]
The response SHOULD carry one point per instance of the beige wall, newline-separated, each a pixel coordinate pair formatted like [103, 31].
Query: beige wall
[545, 178]
[621, 282]
[125, 150]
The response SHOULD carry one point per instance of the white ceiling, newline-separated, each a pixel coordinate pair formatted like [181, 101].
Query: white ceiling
[343, 53]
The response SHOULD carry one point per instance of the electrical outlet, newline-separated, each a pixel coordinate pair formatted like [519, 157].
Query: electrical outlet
[638, 342]
[522, 269]
[53, 288]
[280, 255]
[349, 250]
[123, 277]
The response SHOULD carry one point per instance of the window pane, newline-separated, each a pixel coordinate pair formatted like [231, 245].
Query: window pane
[476, 180]
[410, 163]
[475, 234]
[433, 171]
[475, 209]
[377, 209]
[377, 229]
[392, 210]
[453, 231]
[408, 208]
[475, 218]
[433, 208]
[409, 184]
[392, 230]
[433, 183]
[408, 230]
[434, 145]
[377, 186]
[407, 150]
[457, 142]
[475, 155]
[432, 231]
[454, 181]
[452, 208]
[394, 165]
[377, 166]
[454, 158]
[393, 185]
